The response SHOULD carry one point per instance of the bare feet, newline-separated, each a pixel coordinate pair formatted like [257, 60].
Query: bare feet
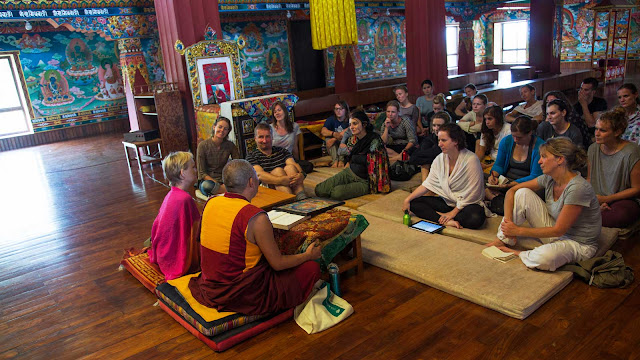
[496, 243]
[454, 224]
[508, 249]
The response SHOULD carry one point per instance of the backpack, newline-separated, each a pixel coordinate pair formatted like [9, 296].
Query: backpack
[608, 271]
[402, 171]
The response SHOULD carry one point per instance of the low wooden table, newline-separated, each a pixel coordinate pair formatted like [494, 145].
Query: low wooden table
[143, 158]
[267, 198]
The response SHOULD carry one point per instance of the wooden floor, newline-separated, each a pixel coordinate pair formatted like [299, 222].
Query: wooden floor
[69, 209]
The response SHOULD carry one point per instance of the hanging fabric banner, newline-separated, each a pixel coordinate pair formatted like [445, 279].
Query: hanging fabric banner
[333, 22]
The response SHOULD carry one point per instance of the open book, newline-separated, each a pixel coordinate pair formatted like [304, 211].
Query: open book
[501, 181]
[283, 220]
[493, 252]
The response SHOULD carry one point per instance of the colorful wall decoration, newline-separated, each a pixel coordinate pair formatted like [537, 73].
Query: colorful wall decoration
[266, 59]
[72, 78]
[381, 50]
[483, 29]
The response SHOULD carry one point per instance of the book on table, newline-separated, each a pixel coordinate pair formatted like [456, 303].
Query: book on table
[494, 253]
[310, 206]
[284, 220]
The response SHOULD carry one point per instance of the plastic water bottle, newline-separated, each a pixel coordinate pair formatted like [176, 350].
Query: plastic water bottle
[334, 273]
[406, 219]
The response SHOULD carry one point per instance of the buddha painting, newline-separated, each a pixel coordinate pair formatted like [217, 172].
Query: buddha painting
[55, 89]
[385, 39]
[110, 81]
[80, 58]
[254, 44]
[274, 63]
[363, 32]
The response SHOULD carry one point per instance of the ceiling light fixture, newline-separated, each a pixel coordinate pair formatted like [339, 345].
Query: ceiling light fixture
[27, 25]
[288, 14]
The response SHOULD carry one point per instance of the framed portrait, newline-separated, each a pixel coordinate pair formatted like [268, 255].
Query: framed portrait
[248, 126]
[214, 71]
[215, 78]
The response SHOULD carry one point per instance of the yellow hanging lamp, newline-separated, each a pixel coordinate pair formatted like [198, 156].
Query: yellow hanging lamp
[333, 22]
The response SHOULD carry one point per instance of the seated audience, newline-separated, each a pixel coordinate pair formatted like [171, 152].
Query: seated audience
[471, 123]
[429, 149]
[614, 171]
[242, 267]
[286, 134]
[425, 102]
[517, 160]
[212, 155]
[406, 107]
[573, 117]
[567, 222]
[557, 124]
[275, 165]
[439, 105]
[493, 131]
[465, 105]
[589, 106]
[174, 234]
[398, 134]
[334, 131]
[531, 106]
[628, 99]
[368, 170]
[457, 181]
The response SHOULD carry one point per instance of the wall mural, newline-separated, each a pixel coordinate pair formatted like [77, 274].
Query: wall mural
[265, 60]
[381, 51]
[577, 32]
[72, 78]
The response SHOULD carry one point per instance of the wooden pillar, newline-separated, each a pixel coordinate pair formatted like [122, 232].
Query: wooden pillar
[466, 50]
[184, 20]
[545, 29]
[426, 45]
[345, 71]
[135, 78]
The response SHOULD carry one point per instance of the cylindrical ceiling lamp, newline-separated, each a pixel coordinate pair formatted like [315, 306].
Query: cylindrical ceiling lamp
[333, 22]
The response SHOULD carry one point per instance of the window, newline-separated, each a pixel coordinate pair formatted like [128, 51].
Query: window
[511, 42]
[452, 47]
[14, 111]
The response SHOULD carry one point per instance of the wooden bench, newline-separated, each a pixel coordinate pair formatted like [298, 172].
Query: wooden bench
[458, 82]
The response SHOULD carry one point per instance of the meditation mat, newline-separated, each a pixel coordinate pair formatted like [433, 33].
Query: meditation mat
[390, 208]
[458, 267]
[137, 264]
[226, 331]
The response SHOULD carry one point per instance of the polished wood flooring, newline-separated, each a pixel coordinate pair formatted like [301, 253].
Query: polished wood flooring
[69, 209]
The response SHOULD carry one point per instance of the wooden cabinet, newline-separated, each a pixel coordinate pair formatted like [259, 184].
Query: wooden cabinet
[160, 107]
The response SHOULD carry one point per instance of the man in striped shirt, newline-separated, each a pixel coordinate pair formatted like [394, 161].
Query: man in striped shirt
[274, 165]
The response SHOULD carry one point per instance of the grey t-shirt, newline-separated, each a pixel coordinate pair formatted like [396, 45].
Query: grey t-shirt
[403, 134]
[546, 132]
[612, 173]
[586, 228]
[412, 112]
[286, 141]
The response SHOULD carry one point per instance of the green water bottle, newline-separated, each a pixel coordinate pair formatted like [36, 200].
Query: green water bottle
[406, 219]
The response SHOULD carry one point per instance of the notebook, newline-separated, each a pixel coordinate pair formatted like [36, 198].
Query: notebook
[283, 220]
[494, 253]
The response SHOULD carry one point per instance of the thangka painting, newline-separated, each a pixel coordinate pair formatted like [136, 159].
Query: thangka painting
[381, 50]
[71, 78]
[265, 59]
[214, 74]
[577, 32]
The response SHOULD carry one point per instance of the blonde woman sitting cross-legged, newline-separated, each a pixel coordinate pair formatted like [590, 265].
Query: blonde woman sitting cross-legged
[567, 222]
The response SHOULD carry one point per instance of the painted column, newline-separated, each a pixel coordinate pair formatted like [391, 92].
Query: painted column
[426, 44]
[545, 24]
[135, 75]
[184, 20]
[466, 51]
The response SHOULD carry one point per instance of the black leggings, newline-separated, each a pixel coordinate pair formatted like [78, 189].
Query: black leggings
[425, 207]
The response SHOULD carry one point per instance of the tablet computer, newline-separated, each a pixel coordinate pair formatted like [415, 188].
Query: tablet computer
[427, 226]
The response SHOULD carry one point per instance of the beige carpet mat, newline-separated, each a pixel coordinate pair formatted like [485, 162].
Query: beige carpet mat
[458, 267]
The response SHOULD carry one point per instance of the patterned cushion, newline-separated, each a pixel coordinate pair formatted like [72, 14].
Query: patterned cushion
[137, 263]
[321, 227]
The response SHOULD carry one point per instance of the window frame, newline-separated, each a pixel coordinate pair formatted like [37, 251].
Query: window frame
[499, 47]
[23, 95]
[457, 47]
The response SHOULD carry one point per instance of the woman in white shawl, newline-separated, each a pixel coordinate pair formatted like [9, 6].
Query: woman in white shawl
[456, 179]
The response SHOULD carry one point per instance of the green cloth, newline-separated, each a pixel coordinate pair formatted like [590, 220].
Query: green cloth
[342, 186]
